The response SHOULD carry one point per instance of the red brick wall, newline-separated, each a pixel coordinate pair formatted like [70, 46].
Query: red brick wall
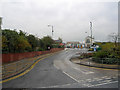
[18, 56]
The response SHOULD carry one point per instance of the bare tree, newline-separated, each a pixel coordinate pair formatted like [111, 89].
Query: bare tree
[113, 38]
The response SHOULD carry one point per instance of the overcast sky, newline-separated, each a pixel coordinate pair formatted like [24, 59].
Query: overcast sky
[70, 18]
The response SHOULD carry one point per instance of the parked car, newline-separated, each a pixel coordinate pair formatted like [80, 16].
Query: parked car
[93, 48]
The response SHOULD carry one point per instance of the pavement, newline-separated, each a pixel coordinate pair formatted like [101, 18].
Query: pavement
[57, 71]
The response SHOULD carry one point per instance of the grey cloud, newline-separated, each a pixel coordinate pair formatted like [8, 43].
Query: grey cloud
[70, 18]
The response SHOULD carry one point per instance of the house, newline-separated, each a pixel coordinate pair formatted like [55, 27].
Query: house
[58, 43]
[88, 41]
[73, 44]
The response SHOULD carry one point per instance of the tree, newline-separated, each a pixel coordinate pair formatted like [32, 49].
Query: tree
[41, 45]
[113, 37]
[60, 40]
[13, 41]
[21, 33]
[11, 36]
[22, 44]
[4, 44]
[47, 41]
[33, 41]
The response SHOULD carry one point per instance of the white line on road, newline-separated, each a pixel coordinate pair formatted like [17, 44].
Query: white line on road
[56, 66]
[71, 76]
[102, 84]
[59, 86]
[84, 72]
[104, 77]
[99, 79]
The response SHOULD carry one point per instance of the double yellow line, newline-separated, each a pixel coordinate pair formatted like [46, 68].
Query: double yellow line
[29, 69]
[33, 65]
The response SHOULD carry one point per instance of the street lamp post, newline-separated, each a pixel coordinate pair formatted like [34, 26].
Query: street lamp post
[86, 38]
[91, 31]
[0, 22]
[86, 34]
[52, 28]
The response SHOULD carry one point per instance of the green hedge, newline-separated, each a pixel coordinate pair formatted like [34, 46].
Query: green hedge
[106, 60]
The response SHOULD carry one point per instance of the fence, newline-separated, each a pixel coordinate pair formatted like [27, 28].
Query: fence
[18, 56]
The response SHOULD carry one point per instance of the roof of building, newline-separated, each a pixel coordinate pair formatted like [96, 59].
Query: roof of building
[58, 41]
[72, 43]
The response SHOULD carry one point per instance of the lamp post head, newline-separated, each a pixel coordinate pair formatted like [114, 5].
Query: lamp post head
[49, 25]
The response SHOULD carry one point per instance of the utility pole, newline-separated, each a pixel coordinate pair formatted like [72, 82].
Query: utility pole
[91, 31]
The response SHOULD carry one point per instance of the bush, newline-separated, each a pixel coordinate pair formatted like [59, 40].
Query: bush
[41, 49]
[106, 60]
[109, 53]
[85, 55]
[100, 54]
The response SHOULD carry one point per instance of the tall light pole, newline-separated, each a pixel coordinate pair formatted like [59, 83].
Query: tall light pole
[52, 28]
[86, 34]
[91, 31]
[0, 22]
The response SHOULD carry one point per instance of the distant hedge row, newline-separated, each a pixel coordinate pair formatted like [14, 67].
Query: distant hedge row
[14, 42]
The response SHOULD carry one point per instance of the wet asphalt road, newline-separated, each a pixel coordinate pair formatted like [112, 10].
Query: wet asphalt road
[57, 71]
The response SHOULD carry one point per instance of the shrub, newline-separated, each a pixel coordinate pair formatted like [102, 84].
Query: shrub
[41, 49]
[106, 60]
[100, 54]
[85, 55]
[109, 53]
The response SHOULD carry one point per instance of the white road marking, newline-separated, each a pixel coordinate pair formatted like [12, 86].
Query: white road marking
[102, 84]
[57, 86]
[98, 79]
[92, 80]
[89, 72]
[108, 78]
[66, 85]
[84, 72]
[115, 77]
[106, 81]
[104, 77]
[55, 66]
[85, 82]
[81, 81]
[71, 76]
[53, 86]
[89, 80]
